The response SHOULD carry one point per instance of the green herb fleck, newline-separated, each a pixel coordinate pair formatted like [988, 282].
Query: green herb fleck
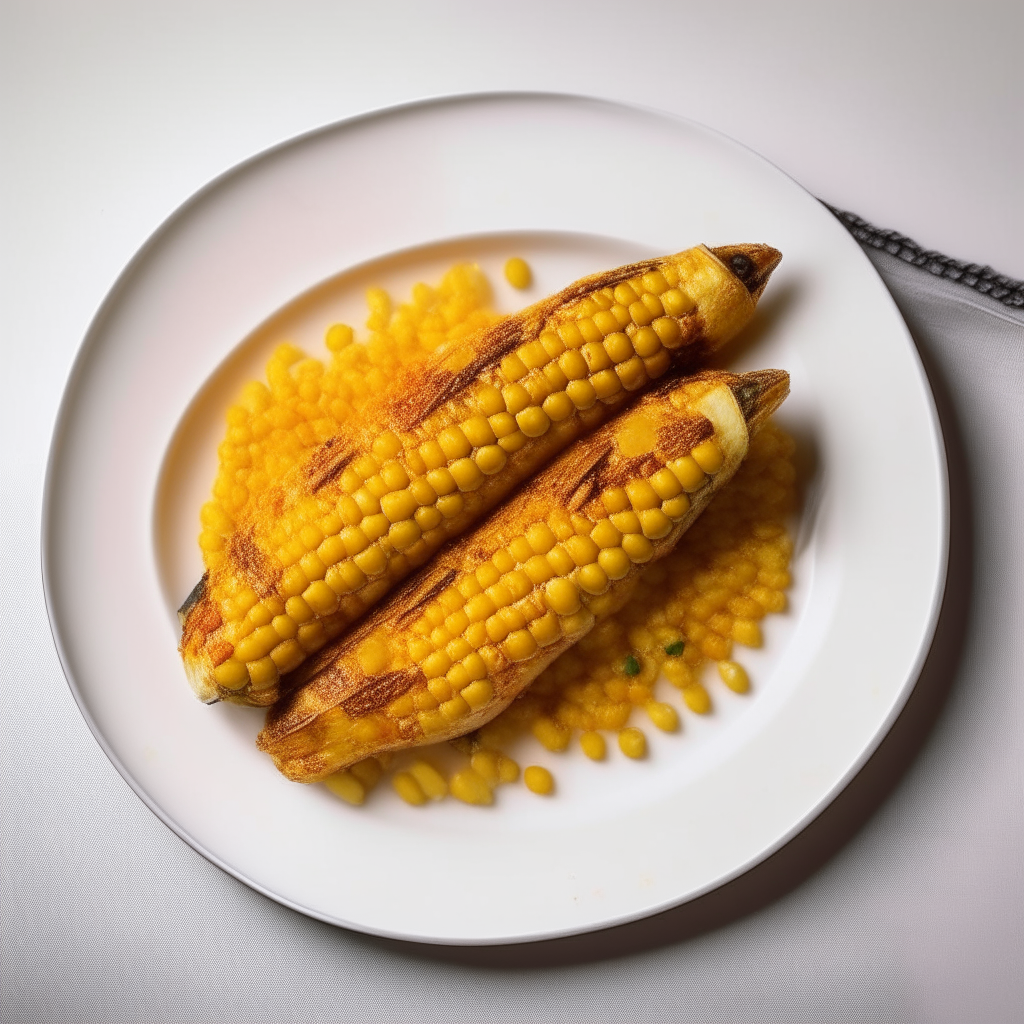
[631, 666]
[675, 648]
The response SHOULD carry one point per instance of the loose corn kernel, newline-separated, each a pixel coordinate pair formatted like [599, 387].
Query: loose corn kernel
[746, 632]
[708, 456]
[734, 676]
[664, 716]
[517, 273]
[632, 742]
[471, 788]
[406, 786]
[539, 780]
[430, 780]
[593, 745]
[551, 735]
[485, 764]
[697, 698]
[343, 784]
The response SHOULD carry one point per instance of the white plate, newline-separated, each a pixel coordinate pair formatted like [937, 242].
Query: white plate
[574, 186]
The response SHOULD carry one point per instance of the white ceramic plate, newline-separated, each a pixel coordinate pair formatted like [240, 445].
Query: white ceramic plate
[574, 186]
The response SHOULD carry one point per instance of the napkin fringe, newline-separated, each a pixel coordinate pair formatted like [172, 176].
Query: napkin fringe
[983, 279]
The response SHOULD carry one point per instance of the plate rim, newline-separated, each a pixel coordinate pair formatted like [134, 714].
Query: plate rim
[90, 339]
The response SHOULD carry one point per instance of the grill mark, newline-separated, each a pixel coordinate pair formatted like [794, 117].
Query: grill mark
[379, 691]
[442, 385]
[590, 482]
[252, 563]
[680, 437]
[442, 583]
[328, 462]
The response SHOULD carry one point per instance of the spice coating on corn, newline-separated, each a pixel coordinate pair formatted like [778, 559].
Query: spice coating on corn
[455, 645]
[445, 440]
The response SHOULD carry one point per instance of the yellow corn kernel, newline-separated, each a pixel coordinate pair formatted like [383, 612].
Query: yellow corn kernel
[573, 365]
[427, 518]
[558, 407]
[257, 644]
[432, 454]
[582, 550]
[619, 347]
[467, 474]
[490, 459]
[454, 709]
[478, 431]
[450, 505]
[579, 622]
[311, 636]
[320, 598]
[372, 561]
[570, 335]
[512, 442]
[734, 676]
[369, 503]
[375, 526]
[392, 473]
[668, 332]
[478, 693]
[424, 701]
[596, 356]
[518, 583]
[561, 561]
[637, 547]
[615, 562]
[665, 484]
[605, 534]
[345, 577]
[398, 505]
[646, 342]
[664, 716]
[545, 629]
[263, 673]
[654, 281]
[489, 400]
[550, 734]
[552, 344]
[632, 742]
[688, 473]
[533, 421]
[539, 780]
[746, 632]
[471, 788]
[453, 442]
[533, 355]
[676, 508]
[541, 538]
[406, 786]
[655, 524]
[293, 581]
[519, 645]
[593, 745]
[297, 609]
[430, 780]
[485, 764]
[642, 495]
[606, 383]
[487, 574]
[606, 322]
[640, 314]
[516, 397]
[632, 374]
[474, 666]
[479, 608]
[696, 698]
[436, 664]
[512, 368]
[582, 393]
[403, 707]
[508, 770]
[497, 629]
[592, 579]
[625, 294]
[331, 550]
[538, 569]
[676, 302]
[499, 593]
[231, 674]
[708, 456]
[284, 626]
[343, 784]
[403, 535]
[614, 500]
[338, 336]
[432, 722]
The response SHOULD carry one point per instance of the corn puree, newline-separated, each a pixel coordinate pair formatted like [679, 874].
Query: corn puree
[689, 609]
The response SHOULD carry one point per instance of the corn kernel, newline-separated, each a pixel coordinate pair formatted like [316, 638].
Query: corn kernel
[606, 322]
[369, 503]
[374, 527]
[344, 785]
[546, 629]
[450, 505]
[427, 518]
[297, 609]
[519, 645]
[582, 393]
[552, 344]
[478, 693]
[231, 674]
[708, 456]
[606, 384]
[642, 495]
[614, 562]
[696, 698]
[257, 644]
[471, 788]
[487, 574]
[560, 561]
[734, 676]
[478, 431]
[331, 550]
[551, 735]
[293, 581]
[664, 716]
[632, 742]
[539, 780]
[582, 549]
[454, 709]
[618, 347]
[570, 335]
[688, 473]
[320, 598]
[562, 597]
[453, 442]
[262, 674]
[406, 786]
[489, 400]
[517, 398]
[655, 524]
[432, 454]
[345, 577]
[541, 538]
[436, 664]
[676, 508]
[512, 368]
[430, 780]
[517, 273]
[558, 407]
[372, 561]
[592, 579]
[637, 547]
[466, 474]
[573, 364]
[676, 302]
[632, 374]
[596, 356]
[398, 505]
[538, 569]
[474, 666]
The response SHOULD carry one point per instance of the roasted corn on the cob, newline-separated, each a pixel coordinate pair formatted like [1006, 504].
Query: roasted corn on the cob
[450, 649]
[445, 442]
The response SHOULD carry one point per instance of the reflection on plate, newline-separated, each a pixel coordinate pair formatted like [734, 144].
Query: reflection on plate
[135, 450]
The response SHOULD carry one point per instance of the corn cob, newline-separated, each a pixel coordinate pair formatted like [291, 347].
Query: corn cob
[456, 644]
[451, 437]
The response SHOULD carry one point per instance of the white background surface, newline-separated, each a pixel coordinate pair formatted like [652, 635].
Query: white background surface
[112, 115]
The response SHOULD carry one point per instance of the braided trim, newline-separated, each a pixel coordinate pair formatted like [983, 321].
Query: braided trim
[985, 280]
